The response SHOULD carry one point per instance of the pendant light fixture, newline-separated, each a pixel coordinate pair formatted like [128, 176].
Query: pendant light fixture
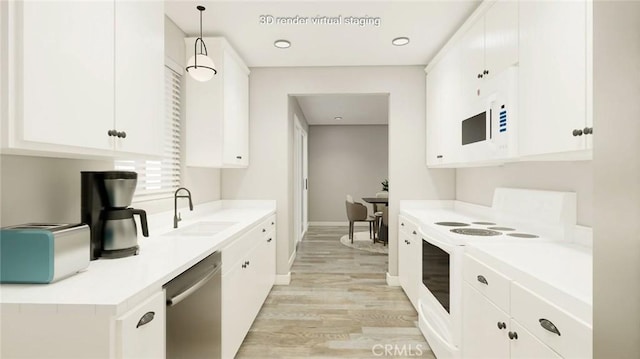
[200, 66]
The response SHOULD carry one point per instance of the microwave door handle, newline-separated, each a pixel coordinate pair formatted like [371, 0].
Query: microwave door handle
[490, 122]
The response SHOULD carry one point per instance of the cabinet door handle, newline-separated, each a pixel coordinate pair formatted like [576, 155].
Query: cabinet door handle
[121, 134]
[482, 279]
[269, 240]
[146, 319]
[244, 265]
[479, 76]
[272, 223]
[112, 133]
[577, 132]
[402, 224]
[513, 335]
[588, 130]
[486, 72]
[439, 156]
[247, 263]
[548, 325]
[239, 157]
[263, 230]
[414, 233]
[502, 325]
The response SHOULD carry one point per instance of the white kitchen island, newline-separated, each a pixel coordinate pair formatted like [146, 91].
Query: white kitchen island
[92, 313]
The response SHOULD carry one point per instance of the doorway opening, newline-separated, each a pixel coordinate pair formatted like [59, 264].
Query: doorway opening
[341, 147]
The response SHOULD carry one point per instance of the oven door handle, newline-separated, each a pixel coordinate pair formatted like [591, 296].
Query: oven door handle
[482, 279]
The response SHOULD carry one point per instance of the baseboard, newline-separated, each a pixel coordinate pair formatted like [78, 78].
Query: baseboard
[392, 280]
[283, 279]
[293, 256]
[337, 224]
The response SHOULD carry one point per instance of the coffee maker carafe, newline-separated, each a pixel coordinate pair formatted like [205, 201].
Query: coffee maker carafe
[106, 197]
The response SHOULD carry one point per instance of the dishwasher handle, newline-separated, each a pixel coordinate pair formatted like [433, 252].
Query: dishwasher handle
[199, 284]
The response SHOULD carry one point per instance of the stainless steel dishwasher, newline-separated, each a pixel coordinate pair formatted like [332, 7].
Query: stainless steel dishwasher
[193, 311]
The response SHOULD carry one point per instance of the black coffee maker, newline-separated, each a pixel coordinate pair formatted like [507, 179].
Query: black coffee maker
[104, 206]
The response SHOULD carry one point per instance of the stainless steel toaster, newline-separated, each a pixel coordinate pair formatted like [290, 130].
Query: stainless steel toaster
[43, 253]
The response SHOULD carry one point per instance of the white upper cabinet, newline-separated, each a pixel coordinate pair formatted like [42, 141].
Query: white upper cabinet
[63, 67]
[139, 76]
[217, 111]
[535, 57]
[84, 78]
[553, 77]
[443, 111]
[489, 47]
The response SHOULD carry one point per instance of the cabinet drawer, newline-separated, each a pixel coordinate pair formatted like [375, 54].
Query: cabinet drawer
[408, 227]
[487, 281]
[574, 338]
[140, 333]
[239, 248]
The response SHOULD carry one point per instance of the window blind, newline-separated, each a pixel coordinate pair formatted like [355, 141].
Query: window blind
[160, 178]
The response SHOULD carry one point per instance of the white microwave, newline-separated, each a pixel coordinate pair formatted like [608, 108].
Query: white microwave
[490, 132]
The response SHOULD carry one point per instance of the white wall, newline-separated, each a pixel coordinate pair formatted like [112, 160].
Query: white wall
[616, 262]
[271, 138]
[48, 189]
[345, 160]
[476, 185]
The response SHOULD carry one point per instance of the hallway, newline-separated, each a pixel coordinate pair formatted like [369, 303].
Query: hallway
[338, 305]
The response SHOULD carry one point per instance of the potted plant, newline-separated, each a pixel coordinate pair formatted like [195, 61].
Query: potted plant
[385, 185]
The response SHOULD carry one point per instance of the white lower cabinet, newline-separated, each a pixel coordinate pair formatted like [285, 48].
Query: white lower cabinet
[140, 333]
[489, 332]
[409, 261]
[248, 273]
[77, 331]
[516, 322]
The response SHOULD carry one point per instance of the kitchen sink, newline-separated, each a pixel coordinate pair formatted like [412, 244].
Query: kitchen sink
[201, 229]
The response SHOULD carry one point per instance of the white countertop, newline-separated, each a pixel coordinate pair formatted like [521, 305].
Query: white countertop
[113, 286]
[560, 272]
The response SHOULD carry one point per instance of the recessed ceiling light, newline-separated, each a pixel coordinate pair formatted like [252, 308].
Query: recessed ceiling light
[337, 118]
[400, 41]
[282, 44]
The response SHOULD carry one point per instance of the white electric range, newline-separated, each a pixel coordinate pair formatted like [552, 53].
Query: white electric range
[516, 216]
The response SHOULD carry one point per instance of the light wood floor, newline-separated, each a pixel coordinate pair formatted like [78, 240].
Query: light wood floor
[337, 305]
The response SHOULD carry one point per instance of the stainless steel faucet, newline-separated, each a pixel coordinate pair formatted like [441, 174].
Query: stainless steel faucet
[176, 217]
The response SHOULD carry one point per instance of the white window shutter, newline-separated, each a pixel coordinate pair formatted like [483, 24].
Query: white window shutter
[159, 179]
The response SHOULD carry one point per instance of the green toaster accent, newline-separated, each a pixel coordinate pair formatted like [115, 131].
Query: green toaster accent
[26, 256]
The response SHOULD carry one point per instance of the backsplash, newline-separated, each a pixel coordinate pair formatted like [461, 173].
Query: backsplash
[41, 189]
[476, 185]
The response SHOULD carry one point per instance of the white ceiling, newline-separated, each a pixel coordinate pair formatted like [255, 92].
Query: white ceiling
[360, 109]
[429, 24]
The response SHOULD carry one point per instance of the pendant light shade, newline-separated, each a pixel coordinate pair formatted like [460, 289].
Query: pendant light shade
[200, 66]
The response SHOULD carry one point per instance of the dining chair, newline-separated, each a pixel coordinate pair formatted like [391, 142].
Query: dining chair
[383, 229]
[377, 212]
[357, 212]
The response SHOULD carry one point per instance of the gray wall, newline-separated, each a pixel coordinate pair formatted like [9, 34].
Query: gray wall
[476, 185]
[345, 160]
[271, 140]
[616, 261]
[48, 189]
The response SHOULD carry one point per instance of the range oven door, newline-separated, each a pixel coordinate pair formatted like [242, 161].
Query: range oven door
[441, 296]
[435, 273]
